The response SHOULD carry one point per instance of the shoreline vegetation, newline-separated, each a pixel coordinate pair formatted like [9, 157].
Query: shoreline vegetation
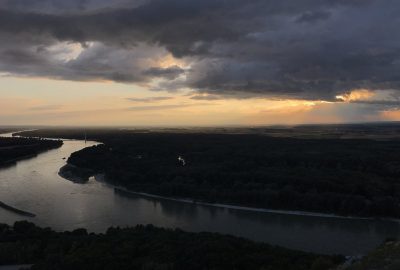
[251, 209]
[7, 163]
[148, 247]
[75, 174]
[81, 176]
[345, 178]
[152, 248]
[13, 150]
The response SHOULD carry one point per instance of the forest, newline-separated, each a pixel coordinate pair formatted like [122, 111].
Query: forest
[14, 149]
[147, 248]
[349, 177]
[8, 129]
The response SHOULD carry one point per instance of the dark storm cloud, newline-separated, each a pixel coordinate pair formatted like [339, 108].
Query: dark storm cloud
[383, 104]
[64, 6]
[311, 49]
[169, 73]
[313, 17]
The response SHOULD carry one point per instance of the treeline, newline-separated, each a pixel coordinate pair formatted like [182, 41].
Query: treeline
[13, 149]
[7, 130]
[383, 130]
[347, 177]
[147, 248]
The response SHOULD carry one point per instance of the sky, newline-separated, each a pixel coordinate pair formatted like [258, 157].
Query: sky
[198, 62]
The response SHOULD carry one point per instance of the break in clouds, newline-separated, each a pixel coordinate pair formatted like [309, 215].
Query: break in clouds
[307, 49]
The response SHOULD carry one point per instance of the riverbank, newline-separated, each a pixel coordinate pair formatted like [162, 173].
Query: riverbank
[15, 160]
[75, 174]
[244, 208]
[16, 210]
[16, 149]
[81, 175]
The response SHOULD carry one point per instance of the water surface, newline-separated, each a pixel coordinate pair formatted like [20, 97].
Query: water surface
[34, 185]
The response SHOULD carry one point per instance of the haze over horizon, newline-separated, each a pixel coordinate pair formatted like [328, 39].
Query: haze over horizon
[198, 63]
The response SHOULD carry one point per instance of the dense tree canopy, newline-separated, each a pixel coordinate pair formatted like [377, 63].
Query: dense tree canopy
[13, 149]
[147, 247]
[342, 176]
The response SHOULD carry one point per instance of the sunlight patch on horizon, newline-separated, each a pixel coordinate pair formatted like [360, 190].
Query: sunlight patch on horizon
[356, 95]
[169, 61]
[52, 102]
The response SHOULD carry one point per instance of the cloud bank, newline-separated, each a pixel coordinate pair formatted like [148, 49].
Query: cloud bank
[305, 49]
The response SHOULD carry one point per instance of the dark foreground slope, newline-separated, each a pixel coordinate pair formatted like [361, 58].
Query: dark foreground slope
[356, 177]
[14, 149]
[386, 257]
[147, 247]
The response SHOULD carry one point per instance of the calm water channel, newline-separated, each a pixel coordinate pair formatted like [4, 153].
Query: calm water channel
[34, 185]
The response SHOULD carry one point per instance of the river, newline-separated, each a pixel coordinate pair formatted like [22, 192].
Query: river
[34, 185]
